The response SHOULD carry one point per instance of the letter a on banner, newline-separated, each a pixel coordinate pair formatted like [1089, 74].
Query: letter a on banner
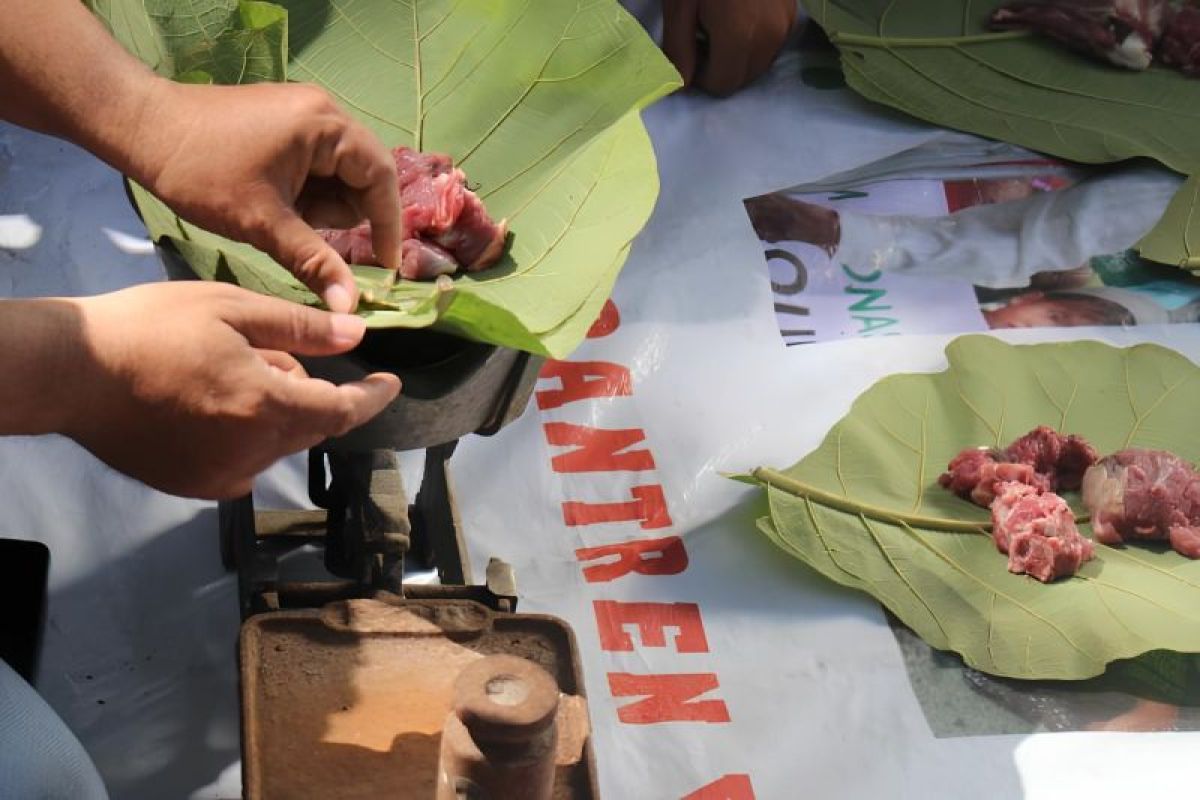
[583, 380]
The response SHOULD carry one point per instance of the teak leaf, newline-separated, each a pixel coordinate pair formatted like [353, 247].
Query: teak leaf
[936, 60]
[202, 41]
[865, 510]
[538, 102]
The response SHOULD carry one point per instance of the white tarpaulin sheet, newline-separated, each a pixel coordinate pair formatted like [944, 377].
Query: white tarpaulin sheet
[723, 664]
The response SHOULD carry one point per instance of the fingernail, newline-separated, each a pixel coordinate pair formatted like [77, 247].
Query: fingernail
[338, 298]
[347, 329]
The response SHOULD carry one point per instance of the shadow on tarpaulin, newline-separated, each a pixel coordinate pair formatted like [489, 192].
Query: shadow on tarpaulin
[146, 672]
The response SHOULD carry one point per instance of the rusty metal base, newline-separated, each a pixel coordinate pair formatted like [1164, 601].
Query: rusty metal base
[349, 701]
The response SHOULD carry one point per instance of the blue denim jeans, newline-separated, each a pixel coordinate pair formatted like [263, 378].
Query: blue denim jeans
[40, 759]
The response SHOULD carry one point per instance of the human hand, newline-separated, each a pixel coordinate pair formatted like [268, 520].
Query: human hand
[190, 387]
[743, 39]
[778, 218]
[263, 164]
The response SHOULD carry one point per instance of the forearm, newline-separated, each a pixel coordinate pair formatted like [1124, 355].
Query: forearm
[62, 74]
[42, 346]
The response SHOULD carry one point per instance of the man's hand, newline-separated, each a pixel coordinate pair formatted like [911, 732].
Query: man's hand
[257, 163]
[741, 39]
[263, 164]
[189, 387]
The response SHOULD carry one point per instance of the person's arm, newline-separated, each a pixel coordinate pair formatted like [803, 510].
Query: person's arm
[255, 163]
[185, 386]
[39, 342]
[189, 386]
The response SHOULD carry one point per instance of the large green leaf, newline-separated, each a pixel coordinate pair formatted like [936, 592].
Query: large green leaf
[204, 41]
[865, 510]
[936, 60]
[537, 101]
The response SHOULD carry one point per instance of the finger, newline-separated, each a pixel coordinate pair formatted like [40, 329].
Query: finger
[284, 362]
[724, 71]
[679, 36]
[292, 242]
[368, 169]
[270, 323]
[322, 409]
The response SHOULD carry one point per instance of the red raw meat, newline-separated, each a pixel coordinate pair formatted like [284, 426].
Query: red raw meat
[974, 473]
[1063, 459]
[1139, 494]
[1122, 32]
[1180, 44]
[1043, 458]
[475, 240]
[1037, 531]
[422, 260]
[445, 222]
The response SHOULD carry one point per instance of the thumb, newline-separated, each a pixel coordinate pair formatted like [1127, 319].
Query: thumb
[269, 323]
[293, 243]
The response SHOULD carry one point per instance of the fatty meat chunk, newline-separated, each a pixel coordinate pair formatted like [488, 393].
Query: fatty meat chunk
[1037, 531]
[974, 473]
[1061, 458]
[1180, 44]
[1122, 32]
[1140, 494]
[446, 224]
[1043, 458]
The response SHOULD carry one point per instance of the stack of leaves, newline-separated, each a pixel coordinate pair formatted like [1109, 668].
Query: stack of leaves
[938, 61]
[540, 107]
[864, 509]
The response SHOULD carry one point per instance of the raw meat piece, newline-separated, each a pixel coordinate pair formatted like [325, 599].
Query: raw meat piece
[1063, 459]
[1043, 458]
[1037, 531]
[1123, 32]
[352, 244]
[1145, 494]
[474, 239]
[431, 190]
[424, 260]
[421, 260]
[1180, 44]
[974, 473]
[445, 222]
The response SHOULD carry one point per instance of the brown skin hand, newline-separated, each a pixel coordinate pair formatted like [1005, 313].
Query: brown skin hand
[187, 387]
[266, 163]
[255, 163]
[190, 387]
[743, 38]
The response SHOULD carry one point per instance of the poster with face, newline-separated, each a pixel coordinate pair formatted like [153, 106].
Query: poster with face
[1015, 245]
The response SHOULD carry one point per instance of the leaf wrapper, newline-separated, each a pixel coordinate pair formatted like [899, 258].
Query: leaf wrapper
[538, 102]
[936, 60]
[891, 531]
